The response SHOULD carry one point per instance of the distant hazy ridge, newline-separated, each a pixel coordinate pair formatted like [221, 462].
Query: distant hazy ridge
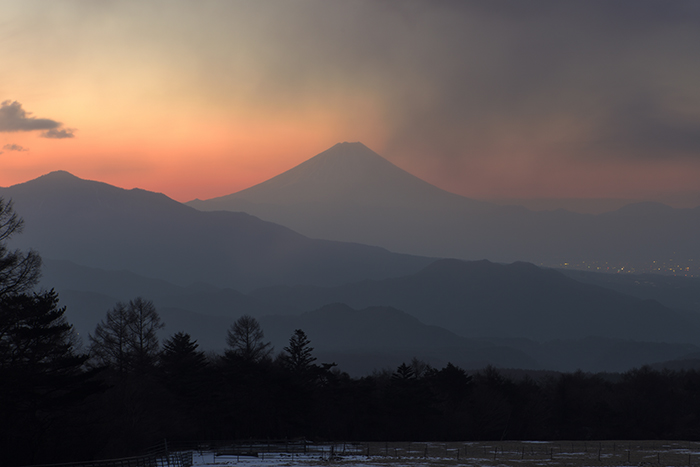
[350, 193]
[364, 306]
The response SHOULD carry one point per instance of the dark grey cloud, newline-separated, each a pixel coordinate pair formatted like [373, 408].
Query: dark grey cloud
[649, 130]
[15, 147]
[587, 62]
[14, 118]
[453, 77]
[59, 133]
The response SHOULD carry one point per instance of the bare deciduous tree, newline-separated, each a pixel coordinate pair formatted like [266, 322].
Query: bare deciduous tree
[143, 325]
[126, 339]
[245, 340]
[19, 271]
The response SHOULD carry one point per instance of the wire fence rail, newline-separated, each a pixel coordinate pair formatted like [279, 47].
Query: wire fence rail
[557, 453]
[154, 458]
[521, 453]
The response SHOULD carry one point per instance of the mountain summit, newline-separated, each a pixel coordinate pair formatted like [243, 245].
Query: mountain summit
[350, 193]
[101, 226]
[347, 174]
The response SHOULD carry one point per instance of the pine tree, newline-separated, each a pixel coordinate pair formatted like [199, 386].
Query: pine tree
[403, 373]
[299, 358]
[41, 373]
[180, 354]
[181, 364]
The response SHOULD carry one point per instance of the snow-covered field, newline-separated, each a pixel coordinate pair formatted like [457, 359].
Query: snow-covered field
[525, 454]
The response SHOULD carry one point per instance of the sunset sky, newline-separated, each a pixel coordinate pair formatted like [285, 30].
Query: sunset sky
[487, 99]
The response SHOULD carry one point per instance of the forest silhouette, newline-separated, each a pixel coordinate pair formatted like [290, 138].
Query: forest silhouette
[125, 392]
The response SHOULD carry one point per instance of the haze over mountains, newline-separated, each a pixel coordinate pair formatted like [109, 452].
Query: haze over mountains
[364, 338]
[95, 224]
[361, 342]
[484, 299]
[366, 306]
[348, 174]
[350, 193]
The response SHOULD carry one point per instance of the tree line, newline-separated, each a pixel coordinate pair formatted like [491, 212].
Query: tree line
[125, 391]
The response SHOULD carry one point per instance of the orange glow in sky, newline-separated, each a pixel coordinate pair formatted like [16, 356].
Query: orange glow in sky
[198, 100]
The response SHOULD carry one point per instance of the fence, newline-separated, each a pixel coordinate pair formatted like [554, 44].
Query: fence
[557, 453]
[521, 453]
[158, 457]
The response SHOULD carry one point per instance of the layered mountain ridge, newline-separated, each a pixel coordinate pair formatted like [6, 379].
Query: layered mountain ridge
[365, 338]
[347, 174]
[483, 299]
[349, 193]
[204, 269]
[99, 225]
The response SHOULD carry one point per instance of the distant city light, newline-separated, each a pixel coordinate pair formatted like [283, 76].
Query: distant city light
[671, 266]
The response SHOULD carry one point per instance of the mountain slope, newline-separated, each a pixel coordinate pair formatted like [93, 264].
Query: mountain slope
[98, 225]
[519, 300]
[359, 341]
[677, 292]
[350, 193]
[124, 285]
[347, 174]
[373, 338]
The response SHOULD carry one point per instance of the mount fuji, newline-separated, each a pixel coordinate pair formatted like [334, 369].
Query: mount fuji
[350, 193]
[346, 175]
